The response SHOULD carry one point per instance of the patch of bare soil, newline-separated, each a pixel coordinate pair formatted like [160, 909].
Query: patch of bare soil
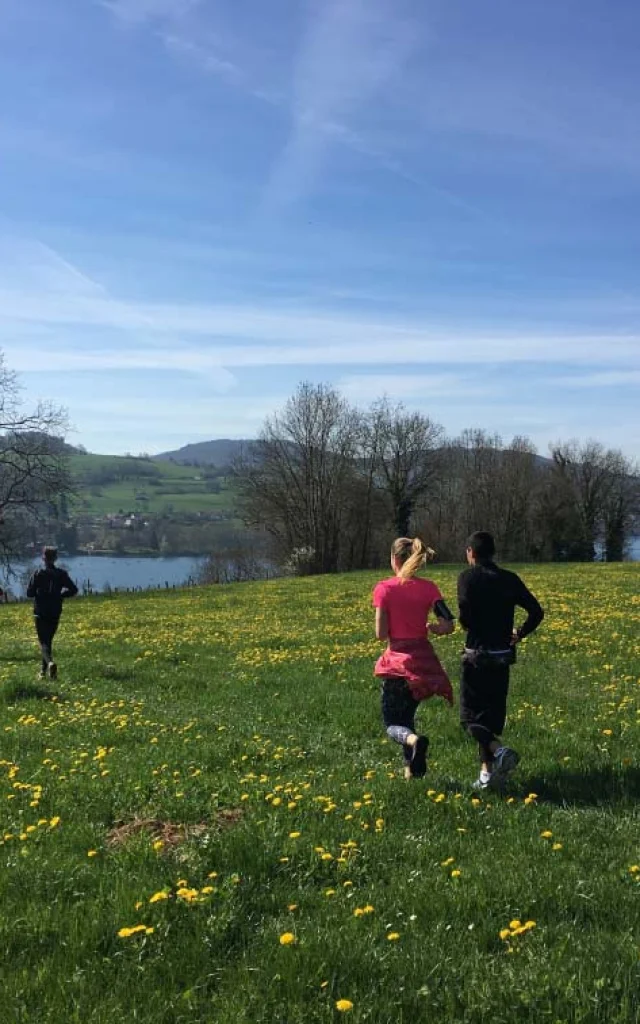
[172, 833]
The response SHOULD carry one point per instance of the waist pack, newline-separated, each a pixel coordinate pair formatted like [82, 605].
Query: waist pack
[481, 657]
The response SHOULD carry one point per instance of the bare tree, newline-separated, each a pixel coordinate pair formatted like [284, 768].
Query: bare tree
[621, 507]
[295, 482]
[485, 484]
[34, 472]
[584, 476]
[408, 458]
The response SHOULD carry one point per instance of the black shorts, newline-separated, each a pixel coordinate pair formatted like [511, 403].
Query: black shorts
[483, 696]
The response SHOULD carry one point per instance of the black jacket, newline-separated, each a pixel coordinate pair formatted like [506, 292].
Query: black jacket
[488, 597]
[49, 587]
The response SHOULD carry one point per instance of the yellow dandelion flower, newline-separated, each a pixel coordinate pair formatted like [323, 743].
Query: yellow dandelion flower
[504, 933]
[456, 873]
[393, 936]
[344, 1005]
[158, 896]
[287, 939]
[294, 835]
[546, 834]
[92, 853]
[557, 846]
[126, 933]
[186, 894]
[514, 924]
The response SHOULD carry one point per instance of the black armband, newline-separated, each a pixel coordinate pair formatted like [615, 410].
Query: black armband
[441, 610]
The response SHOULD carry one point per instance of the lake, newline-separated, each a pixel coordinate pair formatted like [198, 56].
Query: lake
[123, 573]
[98, 572]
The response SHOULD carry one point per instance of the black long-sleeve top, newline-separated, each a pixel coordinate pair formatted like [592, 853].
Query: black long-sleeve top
[49, 587]
[488, 597]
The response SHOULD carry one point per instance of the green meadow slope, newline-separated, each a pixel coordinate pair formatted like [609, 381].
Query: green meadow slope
[202, 820]
[108, 484]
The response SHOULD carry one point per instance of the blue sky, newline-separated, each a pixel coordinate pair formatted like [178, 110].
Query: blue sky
[203, 203]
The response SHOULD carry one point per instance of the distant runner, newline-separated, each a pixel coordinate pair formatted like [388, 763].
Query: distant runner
[49, 587]
[487, 598]
[409, 669]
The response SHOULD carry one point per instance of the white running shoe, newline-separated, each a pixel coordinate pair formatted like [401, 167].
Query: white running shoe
[483, 781]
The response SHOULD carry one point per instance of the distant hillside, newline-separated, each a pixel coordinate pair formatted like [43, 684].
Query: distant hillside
[221, 453]
[112, 484]
[218, 453]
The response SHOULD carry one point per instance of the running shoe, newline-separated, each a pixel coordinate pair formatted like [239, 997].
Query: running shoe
[418, 763]
[483, 781]
[53, 670]
[504, 761]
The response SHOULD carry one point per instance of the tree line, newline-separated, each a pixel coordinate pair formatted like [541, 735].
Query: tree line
[329, 485]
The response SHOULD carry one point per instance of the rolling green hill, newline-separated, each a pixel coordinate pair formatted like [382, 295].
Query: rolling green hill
[109, 484]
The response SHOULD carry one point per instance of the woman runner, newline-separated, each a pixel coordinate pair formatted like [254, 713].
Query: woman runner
[409, 669]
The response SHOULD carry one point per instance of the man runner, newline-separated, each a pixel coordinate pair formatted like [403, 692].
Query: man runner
[49, 587]
[487, 599]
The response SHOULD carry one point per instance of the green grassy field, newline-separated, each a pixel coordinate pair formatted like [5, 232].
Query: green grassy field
[182, 488]
[211, 772]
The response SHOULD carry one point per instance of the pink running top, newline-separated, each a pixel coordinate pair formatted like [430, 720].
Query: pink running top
[409, 654]
[407, 604]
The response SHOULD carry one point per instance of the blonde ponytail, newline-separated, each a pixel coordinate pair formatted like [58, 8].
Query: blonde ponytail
[412, 553]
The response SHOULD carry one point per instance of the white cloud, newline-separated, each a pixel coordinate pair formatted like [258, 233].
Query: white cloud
[601, 379]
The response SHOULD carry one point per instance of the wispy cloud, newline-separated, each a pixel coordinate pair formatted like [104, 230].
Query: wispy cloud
[411, 386]
[205, 58]
[182, 360]
[138, 11]
[46, 302]
[236, 336]
[351, 50]
[35, 274]
[602, 379]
